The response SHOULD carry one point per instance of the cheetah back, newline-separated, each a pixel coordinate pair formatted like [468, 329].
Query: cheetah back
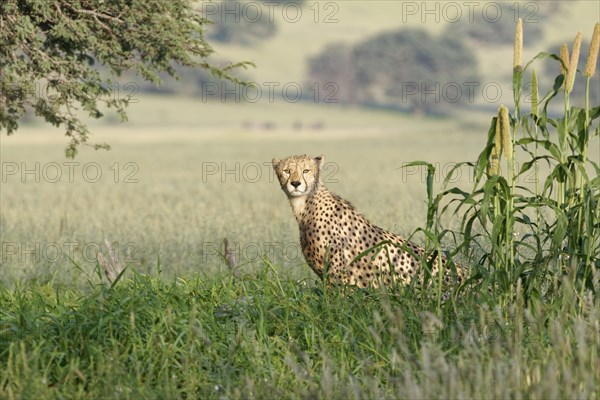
[336, 237]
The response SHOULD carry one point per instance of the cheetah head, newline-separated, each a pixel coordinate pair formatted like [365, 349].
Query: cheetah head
[298, 175]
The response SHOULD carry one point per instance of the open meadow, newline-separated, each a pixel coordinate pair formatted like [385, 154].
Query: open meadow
[173, 196]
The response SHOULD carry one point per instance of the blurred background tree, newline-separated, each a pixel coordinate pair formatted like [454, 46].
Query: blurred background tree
[245, 22]
[407, 69]
[239, 22]
[495, 23]
[334, 66]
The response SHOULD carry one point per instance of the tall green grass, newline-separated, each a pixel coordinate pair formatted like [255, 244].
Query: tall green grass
[270, 337]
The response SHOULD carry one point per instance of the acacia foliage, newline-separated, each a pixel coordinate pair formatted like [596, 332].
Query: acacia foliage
[49, 51]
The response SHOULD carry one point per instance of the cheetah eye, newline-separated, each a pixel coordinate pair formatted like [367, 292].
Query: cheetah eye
[286, 171]
[306, 171]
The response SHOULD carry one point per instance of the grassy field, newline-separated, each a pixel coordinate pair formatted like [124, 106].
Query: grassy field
[179, 326]
[185, 174]
[170, 191]
[269, 337]
[173, 196]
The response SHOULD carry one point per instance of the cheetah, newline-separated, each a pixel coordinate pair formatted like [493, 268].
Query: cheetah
[339, 243]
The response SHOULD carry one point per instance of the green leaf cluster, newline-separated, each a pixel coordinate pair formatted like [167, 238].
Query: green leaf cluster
[49, 50]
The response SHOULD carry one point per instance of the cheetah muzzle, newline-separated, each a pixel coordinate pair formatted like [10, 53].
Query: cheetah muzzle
[339, 243]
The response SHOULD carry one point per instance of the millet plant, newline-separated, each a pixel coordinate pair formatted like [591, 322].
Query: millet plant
[545, 234]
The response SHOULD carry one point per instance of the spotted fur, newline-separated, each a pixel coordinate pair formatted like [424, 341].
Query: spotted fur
[340, 243]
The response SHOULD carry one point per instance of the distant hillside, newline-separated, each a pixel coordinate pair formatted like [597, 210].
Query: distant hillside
[283, 58]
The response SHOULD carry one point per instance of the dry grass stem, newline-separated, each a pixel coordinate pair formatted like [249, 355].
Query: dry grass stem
[112, 268]
[230, 258]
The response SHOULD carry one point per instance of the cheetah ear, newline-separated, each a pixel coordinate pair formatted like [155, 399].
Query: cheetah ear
[275, 162]
[320, 161]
